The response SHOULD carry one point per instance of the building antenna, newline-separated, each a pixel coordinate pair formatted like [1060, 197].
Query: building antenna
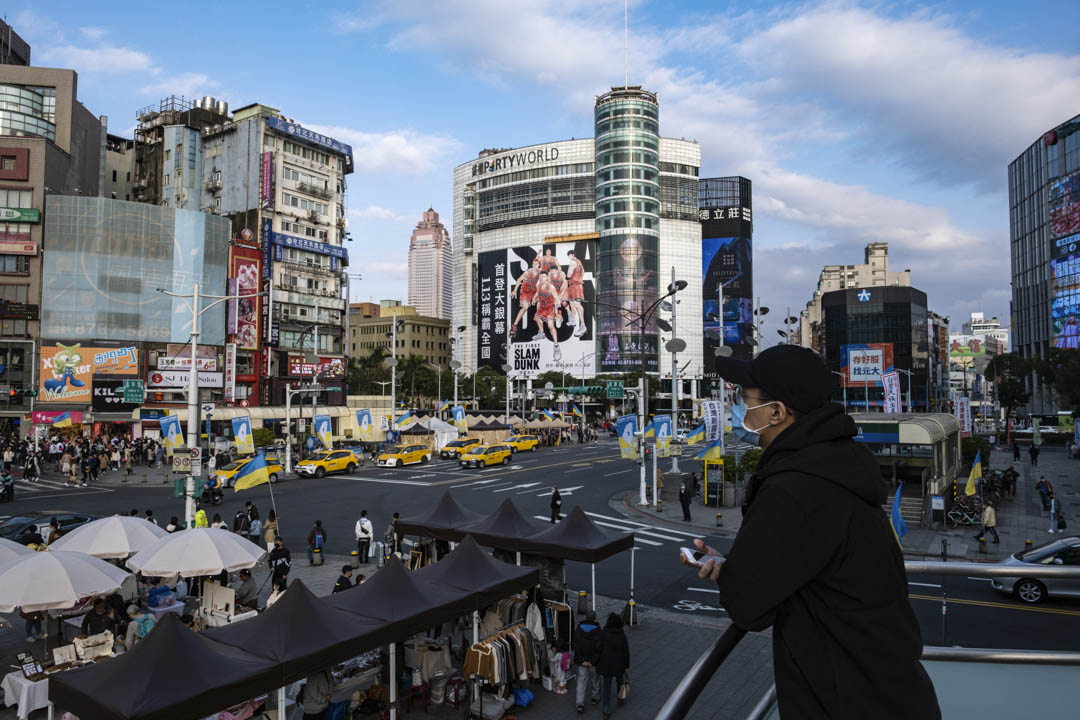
[626, 43]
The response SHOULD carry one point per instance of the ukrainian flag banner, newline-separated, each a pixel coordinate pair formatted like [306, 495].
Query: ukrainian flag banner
[403, 418]
[252, 474]
[976, 473]
[650, 429]
[547, 414]
[899, 527]
[712, 451]
[575, 410]
[363, 420]
[459, 419]
[444, 407]
[170, 430]
[62, 420]
[626, 426]
[245, 443]
[663, 435]
[323, 431]
[695, 436]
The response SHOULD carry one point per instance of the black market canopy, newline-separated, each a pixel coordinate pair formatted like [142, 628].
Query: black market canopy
[577, 537]
[443, 522]
[506, 528]
[300, 632]
[486, 580]
[174, 672]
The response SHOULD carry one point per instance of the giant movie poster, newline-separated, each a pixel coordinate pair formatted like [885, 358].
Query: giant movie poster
[1065, 301]
[727, 261]
[539, 298]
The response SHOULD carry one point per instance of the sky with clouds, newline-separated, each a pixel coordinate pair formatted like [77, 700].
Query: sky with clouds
[856, 122]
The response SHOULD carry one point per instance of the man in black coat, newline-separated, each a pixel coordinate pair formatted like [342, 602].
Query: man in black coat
[586, 655]
[684, 499]
[556, 504]
[815, 557]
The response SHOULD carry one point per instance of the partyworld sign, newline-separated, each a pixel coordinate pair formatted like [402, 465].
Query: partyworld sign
[516, 160]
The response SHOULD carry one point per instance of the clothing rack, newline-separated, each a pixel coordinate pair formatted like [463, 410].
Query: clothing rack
[498, 632]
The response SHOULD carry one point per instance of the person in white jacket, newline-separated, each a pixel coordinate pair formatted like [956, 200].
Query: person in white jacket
[365, 533]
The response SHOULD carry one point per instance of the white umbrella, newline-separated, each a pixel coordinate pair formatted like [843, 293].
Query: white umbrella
[197, 551]
[113, 537]
[10, 550]
[55, 580]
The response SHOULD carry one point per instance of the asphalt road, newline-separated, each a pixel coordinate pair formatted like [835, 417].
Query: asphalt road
[588, 476]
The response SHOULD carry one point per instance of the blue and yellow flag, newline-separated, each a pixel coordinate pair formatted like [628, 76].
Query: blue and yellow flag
[445, 406]
[976, 473]
[575, 410]
[899, 527]
[712, 451]
[695, 436]
[403, 418]
[547, 414]
[245, 443]
[459, 419]
[324, 431]
[363, 419]
[663, 435]
[174, 436]
[626, 426]
[650, 430]
[252, 474]
[62, 420]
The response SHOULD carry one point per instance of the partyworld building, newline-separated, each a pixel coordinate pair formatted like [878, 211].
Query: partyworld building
[598, 221]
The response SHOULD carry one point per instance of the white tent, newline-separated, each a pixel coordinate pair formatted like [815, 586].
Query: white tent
[444, 432]
[196, 551]
[119, 536]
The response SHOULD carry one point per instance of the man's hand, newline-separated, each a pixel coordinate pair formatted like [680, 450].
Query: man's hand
[710, 564]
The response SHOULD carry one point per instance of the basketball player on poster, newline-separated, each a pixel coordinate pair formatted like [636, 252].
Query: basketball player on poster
[575, 293]
[525, 291]
[547, 301]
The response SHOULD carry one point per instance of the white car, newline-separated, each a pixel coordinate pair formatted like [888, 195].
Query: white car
[1031, 590]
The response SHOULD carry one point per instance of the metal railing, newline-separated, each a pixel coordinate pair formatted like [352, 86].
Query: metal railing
[697, 677]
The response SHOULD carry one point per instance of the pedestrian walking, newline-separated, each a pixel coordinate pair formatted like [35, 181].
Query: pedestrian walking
[613, 660]
[1033, 451]
[684, 500]
[1046, 491]
[815, 559]
[280, 560]
[174, 524]
[556, 504]
[989, 521]
[241, 523]
[696, 483]
[255, 532]
[1016, 451]
[316, 540]
[270, 530]
[393, 540]
[586, 655]
[150, 516]
[365, 533]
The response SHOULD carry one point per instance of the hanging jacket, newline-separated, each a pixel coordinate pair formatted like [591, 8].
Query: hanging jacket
[816, 559]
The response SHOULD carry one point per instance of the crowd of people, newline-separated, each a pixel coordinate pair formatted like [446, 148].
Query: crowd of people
[81, 460]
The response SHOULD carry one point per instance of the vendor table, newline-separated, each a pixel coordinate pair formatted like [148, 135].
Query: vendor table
[177, 608]
[29, 695]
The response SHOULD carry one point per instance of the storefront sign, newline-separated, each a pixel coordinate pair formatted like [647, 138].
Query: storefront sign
[515, 160]
[267, 181]
[891, 383]
[291, 241]
[871, 432]
[67, 371]
[150, 413]
[310, 136]
[267, 283]
[178, 357]
[725, 213]
[134, 391]
[20, 215]
[865, 364]
[243, 313]
[18, 310]
[710, 410]
[15, 246]
[109, 395]
[179, 379]
[328, 367]
[46, 417]
[230, 372]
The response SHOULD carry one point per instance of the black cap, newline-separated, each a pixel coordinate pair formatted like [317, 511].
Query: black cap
[794, 375]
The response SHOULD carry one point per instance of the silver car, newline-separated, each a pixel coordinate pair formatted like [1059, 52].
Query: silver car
[1065, 551]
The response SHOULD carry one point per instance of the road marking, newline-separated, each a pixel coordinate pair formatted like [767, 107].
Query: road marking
[708, 590]
[474, 482]
[387, 482]
[577, 470]
[515, 487]
[638, 532]
[1004, 606]
[618, 472]
[495, 486]
[923, 584]
[641, 524]
[562, 491]
[647, 542]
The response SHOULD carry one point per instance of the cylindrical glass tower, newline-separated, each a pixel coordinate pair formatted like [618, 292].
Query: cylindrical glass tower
[628, 219]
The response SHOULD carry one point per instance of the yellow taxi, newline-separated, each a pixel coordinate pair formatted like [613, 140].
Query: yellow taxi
[404, 455]
[484, 455]
[227, 475]
[453, 449]
[520, 443]
[328, 461]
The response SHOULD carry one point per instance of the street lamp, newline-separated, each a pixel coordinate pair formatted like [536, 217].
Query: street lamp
[438, 368]
[193, 379]
[675, 346]
[843, 386]
[909, 374]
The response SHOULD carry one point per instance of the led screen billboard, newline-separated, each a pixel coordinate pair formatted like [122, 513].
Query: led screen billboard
[1063, 205]
[726, 261]
[539, 298]
[1065, 301]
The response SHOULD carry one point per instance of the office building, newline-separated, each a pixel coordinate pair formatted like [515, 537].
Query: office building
[874, 272]
[431, 268]
[363, 310]
[1044, 233]
[979, 326]
[937, 328]
[13, 49]
[50, 145]
[604, 219]
[867, 332]
[421, 335]
[119, 180]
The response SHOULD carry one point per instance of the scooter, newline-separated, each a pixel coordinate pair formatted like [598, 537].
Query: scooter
[212, 495]
[7, 488]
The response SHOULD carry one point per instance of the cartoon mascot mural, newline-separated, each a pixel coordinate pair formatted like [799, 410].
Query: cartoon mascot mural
[65, 363]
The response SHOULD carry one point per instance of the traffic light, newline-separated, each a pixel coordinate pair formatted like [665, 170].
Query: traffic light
[13, 393]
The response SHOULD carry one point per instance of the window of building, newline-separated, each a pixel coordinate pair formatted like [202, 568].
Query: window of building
[14, 263]
[13, 293]
[16, 198]
[13, 327]
[245, 364]
[129, 176]
[296, 201]
[217, 203]
[7, 162]
[165, 181]
[114, 176]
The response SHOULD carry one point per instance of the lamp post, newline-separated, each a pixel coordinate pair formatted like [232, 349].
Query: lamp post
[193, 379]
[909, 374]
[843, 386]
[675, 346]
[438, 368]
[506, 369]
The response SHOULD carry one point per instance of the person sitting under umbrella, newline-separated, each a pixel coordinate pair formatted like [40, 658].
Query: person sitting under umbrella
[139, 624]
[98, 620]
[246, 592]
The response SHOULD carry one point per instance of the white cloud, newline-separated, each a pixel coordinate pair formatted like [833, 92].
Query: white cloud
[187, 84]
[376, 212]
[101, 60]
[94, 34]
[382, 270]
[404, 152]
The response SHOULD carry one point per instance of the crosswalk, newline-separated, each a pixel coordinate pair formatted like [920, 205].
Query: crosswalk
[644, 533]
[46, 487]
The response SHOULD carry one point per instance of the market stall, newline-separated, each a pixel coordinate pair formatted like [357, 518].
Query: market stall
[444, 522]
[119, 536]
[506, 528]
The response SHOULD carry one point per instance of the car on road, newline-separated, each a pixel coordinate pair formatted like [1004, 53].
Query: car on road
[453, 449]
[521, 443]
[485, 455]
[227, 475]
[404, 455]
[328, 461]
[1029, 589]
[21, 528]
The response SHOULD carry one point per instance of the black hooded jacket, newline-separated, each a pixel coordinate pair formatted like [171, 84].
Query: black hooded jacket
[817, 560]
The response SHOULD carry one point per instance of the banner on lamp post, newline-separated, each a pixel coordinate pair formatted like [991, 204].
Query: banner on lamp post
[890, 381]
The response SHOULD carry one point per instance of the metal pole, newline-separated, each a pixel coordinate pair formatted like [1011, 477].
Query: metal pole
[288, 431]
[632, 551]
[642, 401]
[674, 375]
[193, 407]
[642, 499]
[315, 377]
[393, 681]
[723, 393]
[594, 587]
[393, 369]
[655, 499]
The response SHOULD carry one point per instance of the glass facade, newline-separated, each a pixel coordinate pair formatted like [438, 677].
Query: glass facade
[627, 211]
[26, 110]
[107, 259]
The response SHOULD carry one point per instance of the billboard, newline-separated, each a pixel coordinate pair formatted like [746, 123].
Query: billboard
[178, 379]
[1063, 206]
[539, 298]
[67, 371]
[244, 313]
[865, 364]
[245, 442]
[109, 395]
[178, 357]
[727, 262]
[1065, 301]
